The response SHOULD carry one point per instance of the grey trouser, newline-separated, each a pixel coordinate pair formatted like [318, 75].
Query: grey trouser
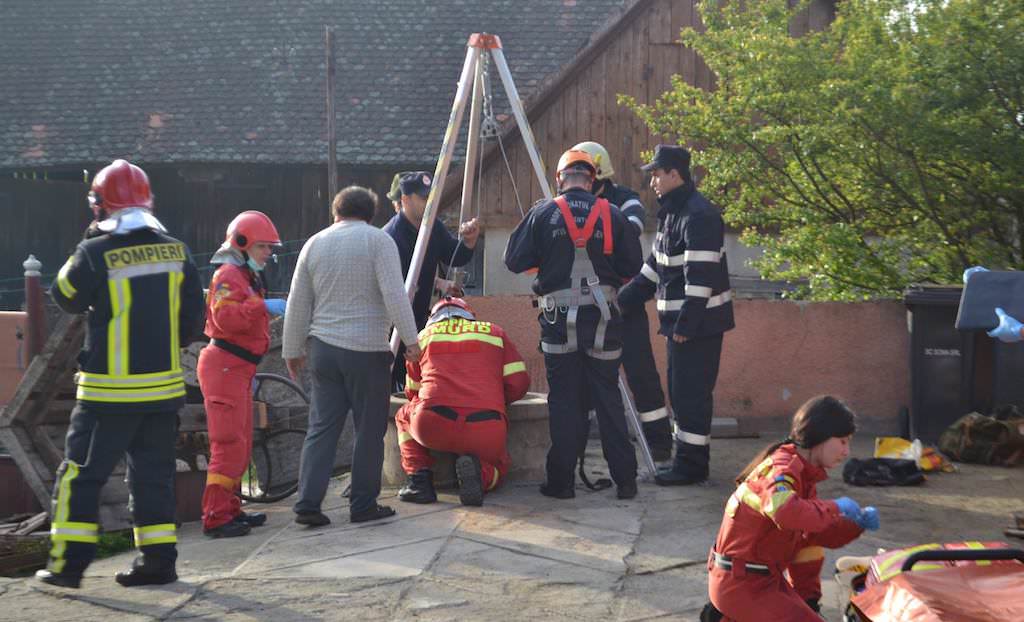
[345, 380]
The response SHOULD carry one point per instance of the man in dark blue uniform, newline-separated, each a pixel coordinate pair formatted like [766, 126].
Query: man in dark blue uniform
[637, 356]
[583, 248]
[688, 275]
[443, 248]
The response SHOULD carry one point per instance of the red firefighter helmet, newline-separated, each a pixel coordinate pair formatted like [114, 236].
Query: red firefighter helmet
[120, 185]
[251, 227]
[449, 307]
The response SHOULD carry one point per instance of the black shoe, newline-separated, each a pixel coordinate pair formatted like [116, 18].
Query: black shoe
[671, 477]
[147, 571]
[419, 488]
[376, 512]
[233, 529]
[626, 490]
[252, 519]
[566, 493]
[312, 519]
[59, 579]
[471, 487]
[710, 614]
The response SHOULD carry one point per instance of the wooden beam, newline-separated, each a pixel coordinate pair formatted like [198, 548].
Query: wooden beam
[44, 447]
[332, 135]
[12, 444]
[59, 350]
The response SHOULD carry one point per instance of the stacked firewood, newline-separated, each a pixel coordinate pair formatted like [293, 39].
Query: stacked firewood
[24, 543]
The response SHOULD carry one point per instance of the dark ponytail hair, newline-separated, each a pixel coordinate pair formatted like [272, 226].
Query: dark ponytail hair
[817, 420]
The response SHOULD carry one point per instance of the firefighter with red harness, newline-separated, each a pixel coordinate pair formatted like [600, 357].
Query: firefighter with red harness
[583, 248]
[458, 390]
[767, 560]
[237, 322]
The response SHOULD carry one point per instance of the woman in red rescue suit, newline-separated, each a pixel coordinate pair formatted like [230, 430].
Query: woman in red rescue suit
[237, 322]
[766, 564]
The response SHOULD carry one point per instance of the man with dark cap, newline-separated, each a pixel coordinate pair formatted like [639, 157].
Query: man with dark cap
[443, 248]
[688, 275]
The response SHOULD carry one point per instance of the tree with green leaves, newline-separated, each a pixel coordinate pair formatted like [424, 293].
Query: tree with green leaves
[884, 150]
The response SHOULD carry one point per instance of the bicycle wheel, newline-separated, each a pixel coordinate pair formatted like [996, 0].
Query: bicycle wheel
[283, 395]
[273, 473]
[277, 442]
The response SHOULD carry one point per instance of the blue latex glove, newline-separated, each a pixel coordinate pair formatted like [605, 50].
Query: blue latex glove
[848, 508]
[969, 271]
[275, 306]
[868, 519]
[1008, 330]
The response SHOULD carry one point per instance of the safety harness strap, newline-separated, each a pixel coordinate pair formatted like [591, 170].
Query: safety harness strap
[586, 288]
[579, 237]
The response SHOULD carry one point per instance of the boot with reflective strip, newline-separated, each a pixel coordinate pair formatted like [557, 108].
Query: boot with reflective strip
[147, 570]
[689, 466]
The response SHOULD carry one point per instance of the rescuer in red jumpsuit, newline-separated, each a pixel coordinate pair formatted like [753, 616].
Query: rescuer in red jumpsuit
[237, 322]
[468, 372]
[766, 564]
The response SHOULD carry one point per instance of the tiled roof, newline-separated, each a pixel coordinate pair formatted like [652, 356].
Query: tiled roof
[243, 81]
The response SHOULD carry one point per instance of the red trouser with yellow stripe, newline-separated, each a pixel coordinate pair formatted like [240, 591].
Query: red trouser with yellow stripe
[226, 381]
[457, 430]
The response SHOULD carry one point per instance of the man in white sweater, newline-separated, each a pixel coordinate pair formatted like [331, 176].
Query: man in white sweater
[347, 292]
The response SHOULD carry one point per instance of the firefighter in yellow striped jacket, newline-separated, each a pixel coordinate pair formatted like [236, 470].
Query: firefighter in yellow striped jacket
[458, 391]
[144, 301]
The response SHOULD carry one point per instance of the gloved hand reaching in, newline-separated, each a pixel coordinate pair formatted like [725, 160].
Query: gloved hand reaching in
[868, 519]
[848, 508]
[275, 306]
[1009, 328]
[969, 271]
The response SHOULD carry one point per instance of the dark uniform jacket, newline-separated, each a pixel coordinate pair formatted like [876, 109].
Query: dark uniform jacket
[443, 248]
[542, 241]
[686, 272]
[144, 302]
[628, 202]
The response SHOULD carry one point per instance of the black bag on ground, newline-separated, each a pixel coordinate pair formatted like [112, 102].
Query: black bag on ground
[882, 472]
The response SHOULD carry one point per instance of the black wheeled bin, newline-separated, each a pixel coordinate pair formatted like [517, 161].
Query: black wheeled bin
[953, 372]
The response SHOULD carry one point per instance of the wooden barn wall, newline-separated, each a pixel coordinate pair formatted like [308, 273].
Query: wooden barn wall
[194, 201]
[638, 59]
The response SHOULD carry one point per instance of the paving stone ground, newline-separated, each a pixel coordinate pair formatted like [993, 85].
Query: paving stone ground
[519, 557]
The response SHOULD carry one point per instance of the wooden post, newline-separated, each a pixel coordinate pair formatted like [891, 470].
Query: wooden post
[332, 138]
[34, 309]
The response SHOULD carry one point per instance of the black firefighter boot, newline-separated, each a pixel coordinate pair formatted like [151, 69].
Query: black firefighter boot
[147, 570]
[689, 467]
[471, 485]
[60, 579]
[419, 488]
[659, 438]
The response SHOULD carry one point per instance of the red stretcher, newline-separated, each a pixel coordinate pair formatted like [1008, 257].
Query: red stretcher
[956, 582]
